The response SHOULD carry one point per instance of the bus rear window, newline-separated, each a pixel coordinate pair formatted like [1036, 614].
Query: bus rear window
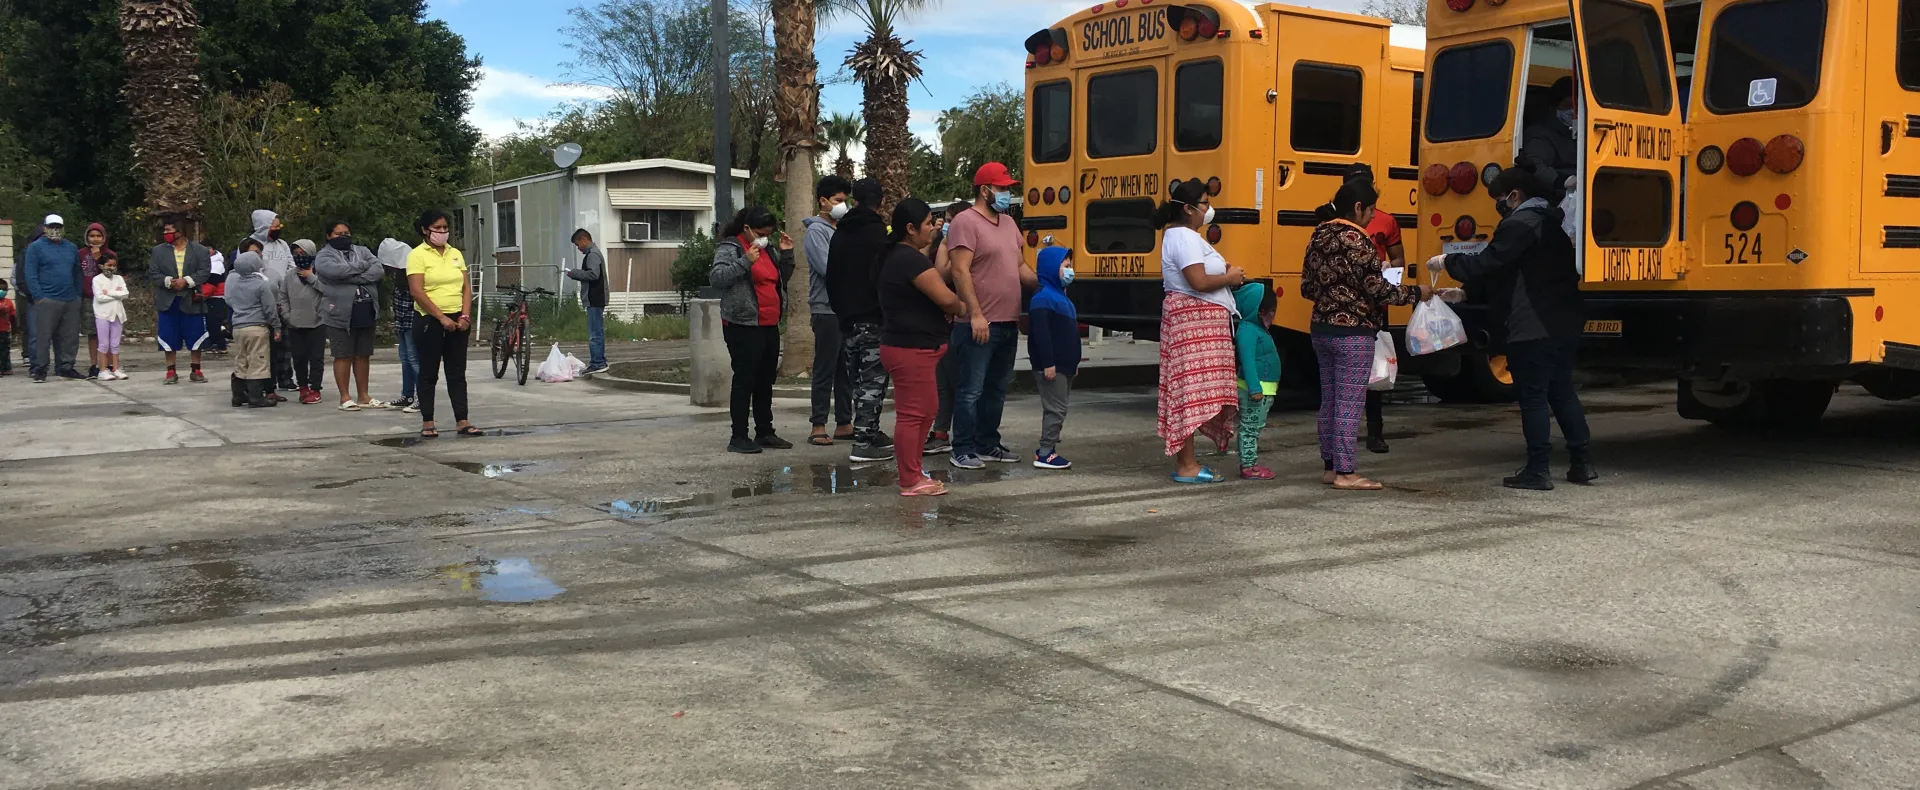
[1326, 108]
[1470, 87]
[1197, 106]
[1631, 207]
[1115, 226]
[1123, 113]
[1765, 55]
[1626, 56]
[1052, 122]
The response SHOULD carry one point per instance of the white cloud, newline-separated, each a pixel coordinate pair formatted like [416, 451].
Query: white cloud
[505, 98]
[925, 124]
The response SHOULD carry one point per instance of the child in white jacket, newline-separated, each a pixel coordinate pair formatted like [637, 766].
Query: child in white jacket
[109, 317]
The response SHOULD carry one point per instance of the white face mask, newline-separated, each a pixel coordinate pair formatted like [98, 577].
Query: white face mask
[838, 212]
[1208, 219]
[1066, 276]
[761, 243]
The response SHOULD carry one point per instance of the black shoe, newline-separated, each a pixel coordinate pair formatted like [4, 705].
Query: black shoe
[1376, 444]
[773, 442]
[743, 446]
[239, 391]
[93, 373]
[72, 375]
[39, 378]
[257, 392]
[869, 453]
[881, 439]
[1582, 473]
[1529, 481]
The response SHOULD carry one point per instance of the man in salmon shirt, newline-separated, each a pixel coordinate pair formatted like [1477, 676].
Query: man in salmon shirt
[985, 246]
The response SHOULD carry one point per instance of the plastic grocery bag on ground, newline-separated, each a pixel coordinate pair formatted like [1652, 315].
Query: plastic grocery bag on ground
[574, 364]
[1386, 363]
[555, 368]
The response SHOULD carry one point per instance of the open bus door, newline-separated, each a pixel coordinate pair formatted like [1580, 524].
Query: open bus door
[1631, 159]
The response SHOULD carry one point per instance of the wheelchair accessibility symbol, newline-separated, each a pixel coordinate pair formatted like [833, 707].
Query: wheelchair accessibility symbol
[1761, 93]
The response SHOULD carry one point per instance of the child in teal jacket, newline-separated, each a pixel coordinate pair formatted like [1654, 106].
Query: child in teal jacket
[1259, 378]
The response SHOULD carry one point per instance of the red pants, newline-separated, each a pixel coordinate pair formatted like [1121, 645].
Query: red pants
[916, 400]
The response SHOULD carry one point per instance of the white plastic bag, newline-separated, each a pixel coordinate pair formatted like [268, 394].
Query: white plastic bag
[574, 364]
[1386, 363]
[1435, 327]
[555, 368]
[1570, 224]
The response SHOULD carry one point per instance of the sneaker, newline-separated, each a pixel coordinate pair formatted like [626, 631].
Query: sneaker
[869, 453]
[72, 375]
[1582, 473]
[881, 439]
[595, 369]
[412, 407]
[1376, 444]
[93, 373]
[1529, 481]
[401, 403]
[1050, 461]
[1000, 455]
[201, 378]
[743, 446]
[967, 461]
[39, 378]
[310, 397]
[937, 443]
[1255, 472]
[773, 442]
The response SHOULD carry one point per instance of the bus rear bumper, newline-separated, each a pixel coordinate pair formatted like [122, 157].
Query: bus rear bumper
[1749, 336]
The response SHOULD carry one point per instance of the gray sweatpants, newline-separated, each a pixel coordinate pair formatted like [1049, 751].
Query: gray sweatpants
[55, 325]
[1053, 408]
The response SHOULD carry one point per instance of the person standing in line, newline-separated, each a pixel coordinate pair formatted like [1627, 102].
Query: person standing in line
[592, 276]
[256, 318]
[176, 268]
[1528, 273]
[985, 247]
[393, 256]
[1384, 231]
[832, 387]
[1259, 367]
[23, 300]
[853, 276]
[93, 257]
[214, 293]
[109, 317]
[303, 311]
[350, 278]
[1053, 345]
[437, 278]
[941, 439]
[915, 303]
[1197, 395]
[276, 258]
[6, 331]
[753, 302]
[53, 270]
[1341, 276]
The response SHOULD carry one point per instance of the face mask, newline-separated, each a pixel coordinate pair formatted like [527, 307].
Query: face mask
[1503, 206]
[3, 293]
[303, 264]
[341, 243]
[761, 243]
[1208, 219]
[54, 234]
[1002, 200]
[437, 238]
[838, 212]
[1066, 276]
[273, 235]
[1568, 116]
[170, 236]
[111, 271]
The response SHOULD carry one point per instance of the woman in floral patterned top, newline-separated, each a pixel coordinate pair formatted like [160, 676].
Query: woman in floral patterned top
[1342, 276]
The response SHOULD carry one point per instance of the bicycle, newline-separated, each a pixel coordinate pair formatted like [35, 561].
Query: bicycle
[513, 333]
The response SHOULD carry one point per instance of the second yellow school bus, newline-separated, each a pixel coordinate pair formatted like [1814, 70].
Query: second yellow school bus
[1270, 105]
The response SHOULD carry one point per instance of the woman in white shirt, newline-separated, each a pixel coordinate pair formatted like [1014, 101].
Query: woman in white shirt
[1197, 362]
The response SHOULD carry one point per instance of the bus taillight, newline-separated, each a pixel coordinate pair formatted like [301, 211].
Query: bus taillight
[1213, 187]
[1745, 156]
[1464, 228]
[1463, 177]
[1744, 216]
[1033, 196]
[1435, 180]
[1066, 193]
[1213, 234]
[1047, 196]
[1459, 5]
[1784, 154]
[1033, 238]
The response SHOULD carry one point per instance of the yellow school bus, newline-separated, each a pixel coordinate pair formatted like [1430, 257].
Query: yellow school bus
[1269, 104]
[1748, 182]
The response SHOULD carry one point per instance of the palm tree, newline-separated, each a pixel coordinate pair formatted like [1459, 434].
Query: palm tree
[845, 130]
[885, 68]
[162, 92]
[796, 108]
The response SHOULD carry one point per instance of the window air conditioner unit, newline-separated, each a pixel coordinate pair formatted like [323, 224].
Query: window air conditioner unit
[636, 231]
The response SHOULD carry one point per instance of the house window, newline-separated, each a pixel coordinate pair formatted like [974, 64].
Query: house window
[459, 223]
[649, 224]
[506, 224]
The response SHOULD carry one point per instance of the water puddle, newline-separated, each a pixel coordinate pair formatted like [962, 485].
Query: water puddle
[504, 580]
[416, 441]
[816, 479]
[1089, 545]
[1621, 408]
[493, 471]
[399, 441]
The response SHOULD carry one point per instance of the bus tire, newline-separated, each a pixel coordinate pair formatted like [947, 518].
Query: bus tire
[1776, 403]
[1482, 378]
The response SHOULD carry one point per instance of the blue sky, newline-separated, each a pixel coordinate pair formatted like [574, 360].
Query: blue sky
[968, 44]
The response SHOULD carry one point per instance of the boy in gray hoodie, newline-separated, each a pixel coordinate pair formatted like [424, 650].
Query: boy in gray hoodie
[256, 321]
[306, 333]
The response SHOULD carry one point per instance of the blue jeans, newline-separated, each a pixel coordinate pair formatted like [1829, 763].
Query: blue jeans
[982, 374]
[409, 362]
[596, 337]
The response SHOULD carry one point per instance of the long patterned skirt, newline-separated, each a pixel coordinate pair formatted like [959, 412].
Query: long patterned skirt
[1197, 394]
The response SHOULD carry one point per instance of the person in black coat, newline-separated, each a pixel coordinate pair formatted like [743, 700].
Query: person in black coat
[853, 290]
[1527, 272]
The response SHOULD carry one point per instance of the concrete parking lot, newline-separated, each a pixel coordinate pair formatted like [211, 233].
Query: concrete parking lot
[193, 596]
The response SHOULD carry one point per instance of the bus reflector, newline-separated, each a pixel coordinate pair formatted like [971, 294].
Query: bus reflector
[1745, 215]
[1745, 156]
[1213, 234]
[1047, 196]
[1464, 228]
[1459, 5]
[1435, 220]
[1065, 194]
[1783, 201]
[1488, 174]
[1033, 238]
[1435, 181]
[1213, 187]
[1879, 313]
[1463, 177]
[1784, 154]
[1711, 159]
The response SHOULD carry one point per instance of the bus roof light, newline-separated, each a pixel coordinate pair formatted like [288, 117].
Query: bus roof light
[1189, 29]
[1459, 5]
[1745, 156]
[1435, 182]
[1744, 216]
[1209, 28]
[1784, 154]
[1463, 177]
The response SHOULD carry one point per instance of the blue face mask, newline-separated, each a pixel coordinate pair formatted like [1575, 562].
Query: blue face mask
[1002, 200]
[1568, 117]
[3, 293]
[1066, 276]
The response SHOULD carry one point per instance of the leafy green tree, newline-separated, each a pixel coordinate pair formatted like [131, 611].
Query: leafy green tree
[25, 194]
[885, 67]
[991, 126]
[931, 179]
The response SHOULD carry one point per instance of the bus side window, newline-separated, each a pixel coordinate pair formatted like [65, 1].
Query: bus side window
[1907, 57]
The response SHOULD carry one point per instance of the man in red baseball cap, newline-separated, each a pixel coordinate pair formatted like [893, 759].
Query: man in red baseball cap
[990, 272]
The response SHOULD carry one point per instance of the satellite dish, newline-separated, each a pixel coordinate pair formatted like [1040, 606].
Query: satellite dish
[565, 155]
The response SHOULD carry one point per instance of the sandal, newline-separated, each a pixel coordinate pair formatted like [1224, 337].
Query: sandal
[468, 432]
[1329, 478]
[819, 438]
[1207, 475]
[375, 403]
[347, 405]
[843, 433]
[1357, 484]
[429, 433]
[927, 487]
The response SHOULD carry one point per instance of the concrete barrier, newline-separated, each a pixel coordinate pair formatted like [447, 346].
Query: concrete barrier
[710, 367]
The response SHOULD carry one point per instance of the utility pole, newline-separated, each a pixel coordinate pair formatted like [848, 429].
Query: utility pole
[722, 121]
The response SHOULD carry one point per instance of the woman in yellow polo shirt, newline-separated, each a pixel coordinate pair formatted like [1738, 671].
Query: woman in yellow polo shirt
[437, 275]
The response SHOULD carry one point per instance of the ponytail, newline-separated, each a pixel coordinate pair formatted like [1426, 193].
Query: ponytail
[1183, 195]
[908, 213]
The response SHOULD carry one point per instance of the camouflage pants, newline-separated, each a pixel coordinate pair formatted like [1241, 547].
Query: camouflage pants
[869, 380]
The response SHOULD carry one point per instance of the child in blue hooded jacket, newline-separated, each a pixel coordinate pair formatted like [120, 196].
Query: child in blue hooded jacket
[1053, 343]
[1259, 378]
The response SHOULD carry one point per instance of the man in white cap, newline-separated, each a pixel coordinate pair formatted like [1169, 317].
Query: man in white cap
[53, 277]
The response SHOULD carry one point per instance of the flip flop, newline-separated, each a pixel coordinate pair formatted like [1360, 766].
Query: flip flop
[820, 440]
[1207, 475]
[429, 433]
[470, 432]
[926, 488]
[1363, 485]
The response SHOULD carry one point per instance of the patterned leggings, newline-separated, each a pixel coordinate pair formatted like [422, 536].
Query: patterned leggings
[1346, 363]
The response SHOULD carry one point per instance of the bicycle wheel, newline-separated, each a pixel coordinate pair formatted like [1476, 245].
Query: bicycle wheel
[502, 349]
[526, 347]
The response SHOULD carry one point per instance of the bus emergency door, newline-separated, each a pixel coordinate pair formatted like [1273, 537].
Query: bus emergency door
[1632, 143]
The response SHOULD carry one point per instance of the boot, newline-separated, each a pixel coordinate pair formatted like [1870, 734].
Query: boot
[257, 391]
[239, 391]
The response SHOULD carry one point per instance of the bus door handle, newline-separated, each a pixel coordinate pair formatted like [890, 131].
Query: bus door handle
[1282, 174]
